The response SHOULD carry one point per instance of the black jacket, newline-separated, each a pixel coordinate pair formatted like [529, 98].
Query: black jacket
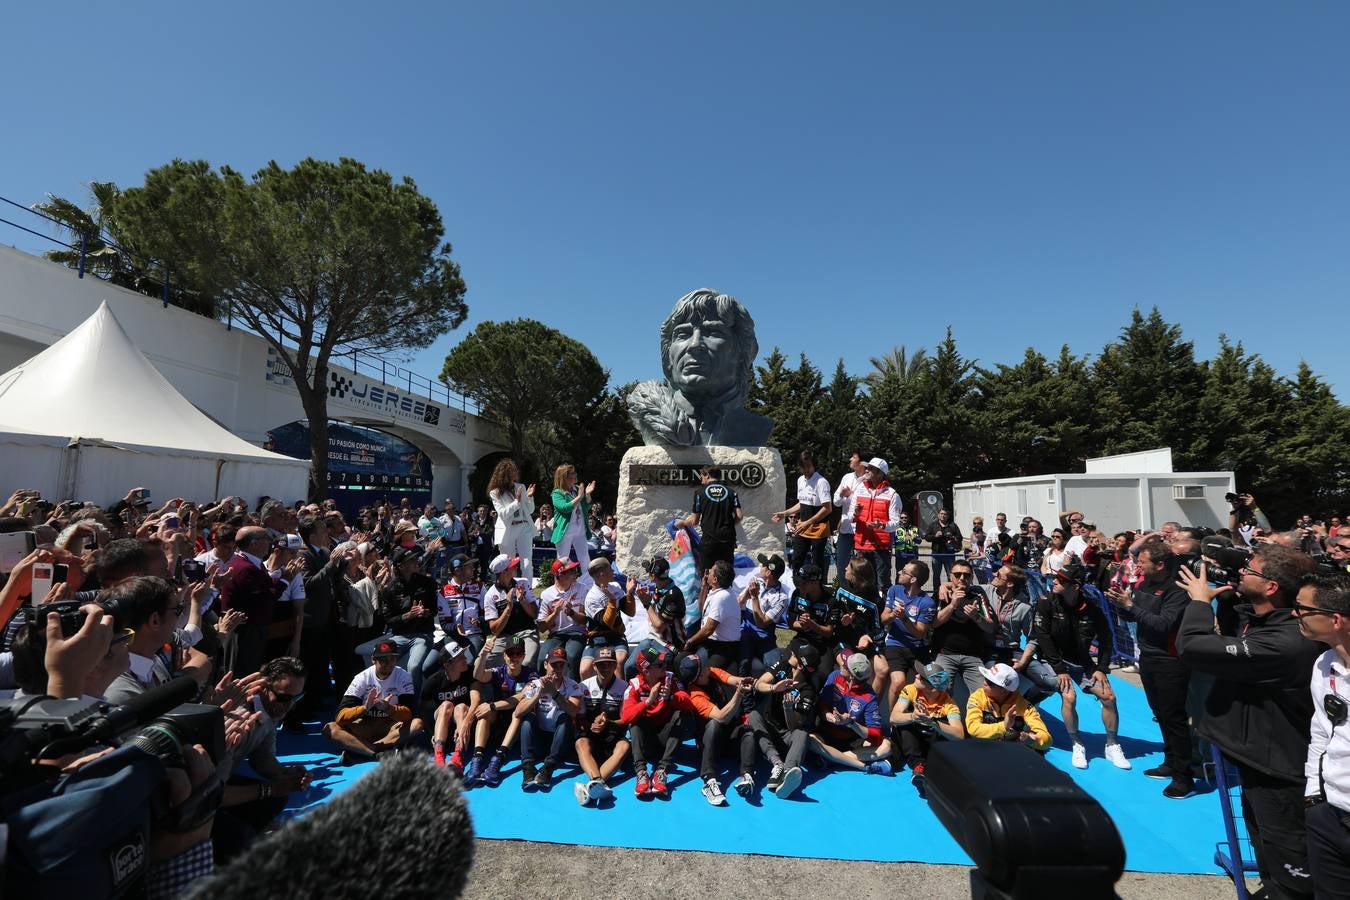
[1158, 607]
[1064, 634]
[1259, 708]
[321, 572]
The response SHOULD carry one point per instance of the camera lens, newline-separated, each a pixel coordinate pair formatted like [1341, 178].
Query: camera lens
[161, 740]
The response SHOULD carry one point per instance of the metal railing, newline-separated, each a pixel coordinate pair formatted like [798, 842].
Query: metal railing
[371, 365]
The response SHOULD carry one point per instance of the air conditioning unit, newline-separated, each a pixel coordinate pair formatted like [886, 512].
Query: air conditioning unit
[1188, 492]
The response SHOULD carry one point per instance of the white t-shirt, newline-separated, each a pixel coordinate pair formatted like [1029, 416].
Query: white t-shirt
[497, 599]
[721, 606]
[594, 698]
[607, 538]
[398, 683]
[598, 597]
[1076, 545]
[549, 710]
[845, 504]
[814, 491]
[559, 622]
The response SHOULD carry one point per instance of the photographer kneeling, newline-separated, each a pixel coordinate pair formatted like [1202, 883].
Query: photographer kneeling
[1259, 709]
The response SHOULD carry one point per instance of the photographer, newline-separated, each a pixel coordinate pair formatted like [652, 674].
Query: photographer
[1157, 605]
[144, 605]
[1245, 518]
[1258, 710]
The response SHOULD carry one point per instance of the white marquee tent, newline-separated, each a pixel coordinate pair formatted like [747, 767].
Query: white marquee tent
[90, 417]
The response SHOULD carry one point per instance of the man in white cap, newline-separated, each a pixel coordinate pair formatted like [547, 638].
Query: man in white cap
[852, 733]
[997, 712]
[509, 609]
[876, 515]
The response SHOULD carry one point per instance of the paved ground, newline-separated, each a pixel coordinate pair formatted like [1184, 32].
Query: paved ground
[528, 870]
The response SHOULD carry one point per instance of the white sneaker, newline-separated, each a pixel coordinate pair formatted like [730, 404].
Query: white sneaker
[581, 790]
[745, 785]
[792, 779]
[1116, 754]
[712, 792]
[1079, 756]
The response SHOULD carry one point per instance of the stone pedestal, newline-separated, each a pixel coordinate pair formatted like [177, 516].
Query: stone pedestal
[657, 484]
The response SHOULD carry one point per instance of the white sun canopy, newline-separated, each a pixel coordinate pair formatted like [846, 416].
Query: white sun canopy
[90, 417]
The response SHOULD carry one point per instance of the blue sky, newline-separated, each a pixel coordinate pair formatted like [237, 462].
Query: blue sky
[860, 175]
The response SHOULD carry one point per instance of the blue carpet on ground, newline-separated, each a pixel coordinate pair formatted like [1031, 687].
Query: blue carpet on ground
[823, 820]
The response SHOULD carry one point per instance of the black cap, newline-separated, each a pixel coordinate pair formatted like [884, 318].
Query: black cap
[659, 567]
[1072, 571]
[808, 656]
[809, 572]
[774, 563]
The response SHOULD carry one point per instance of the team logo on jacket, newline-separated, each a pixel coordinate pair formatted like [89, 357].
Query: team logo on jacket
[716, 492]
[854, 707]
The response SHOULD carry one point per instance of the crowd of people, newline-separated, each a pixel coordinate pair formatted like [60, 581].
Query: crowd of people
[427, 630]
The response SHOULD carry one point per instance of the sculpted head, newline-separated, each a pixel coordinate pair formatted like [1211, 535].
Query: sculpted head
[708, 346]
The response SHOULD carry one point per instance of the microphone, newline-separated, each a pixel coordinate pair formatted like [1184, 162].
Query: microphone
[144, 707]
[401, 831]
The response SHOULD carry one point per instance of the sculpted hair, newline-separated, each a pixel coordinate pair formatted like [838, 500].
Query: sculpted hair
[705, 303]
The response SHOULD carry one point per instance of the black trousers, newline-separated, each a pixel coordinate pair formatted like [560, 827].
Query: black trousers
[1166, 682]
[711, 551]
[1273, 808]
[651, 740]
[1329, 850]
[316, 652]
[806, 550]
[915, 742]
[734, 733]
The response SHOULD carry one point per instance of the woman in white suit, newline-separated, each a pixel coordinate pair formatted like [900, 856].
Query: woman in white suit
[514, 534]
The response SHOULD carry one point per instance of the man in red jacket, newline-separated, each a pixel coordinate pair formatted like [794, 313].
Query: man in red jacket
[251, 589]
[651, 708]
[876, 515]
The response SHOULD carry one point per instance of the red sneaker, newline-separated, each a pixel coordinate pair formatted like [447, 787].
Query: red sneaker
[457, 760]
[440, 755]
[659, 786]
[643, 789]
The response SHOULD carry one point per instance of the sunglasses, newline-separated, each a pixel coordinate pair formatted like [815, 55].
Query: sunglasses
[285, 698]
[960, 574]
[1301, 610]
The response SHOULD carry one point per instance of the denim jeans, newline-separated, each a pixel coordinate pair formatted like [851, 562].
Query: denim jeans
[843, 552]
[965, 672]
[881, 564]
[572, 645]
[536, 740]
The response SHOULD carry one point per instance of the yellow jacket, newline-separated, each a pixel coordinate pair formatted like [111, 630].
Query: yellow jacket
[980, 709]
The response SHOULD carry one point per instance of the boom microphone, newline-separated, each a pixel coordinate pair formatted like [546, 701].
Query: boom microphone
[401, 831]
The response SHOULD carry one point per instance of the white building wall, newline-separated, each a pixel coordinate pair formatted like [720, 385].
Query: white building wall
[223, 372]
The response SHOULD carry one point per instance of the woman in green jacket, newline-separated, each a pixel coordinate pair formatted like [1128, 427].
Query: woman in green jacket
[571, 514]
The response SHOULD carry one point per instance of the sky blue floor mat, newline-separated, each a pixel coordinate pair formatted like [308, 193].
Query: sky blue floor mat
[836, 815]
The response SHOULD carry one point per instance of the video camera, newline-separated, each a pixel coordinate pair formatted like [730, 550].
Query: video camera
[160, 721]
[1222, 561]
